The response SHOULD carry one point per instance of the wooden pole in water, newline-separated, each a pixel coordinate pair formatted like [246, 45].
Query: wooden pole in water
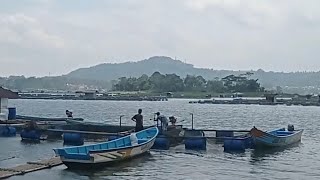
[120, 121]
[154, 119]
[191, 121]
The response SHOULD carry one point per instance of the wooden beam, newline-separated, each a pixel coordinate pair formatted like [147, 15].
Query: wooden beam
[89, 132]
[223, 130]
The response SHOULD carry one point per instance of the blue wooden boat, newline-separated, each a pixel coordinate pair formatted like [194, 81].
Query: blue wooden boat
[34, 118]
[275, 138]
[91, 156]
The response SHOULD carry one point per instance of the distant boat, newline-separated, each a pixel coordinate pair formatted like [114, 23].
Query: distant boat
[90, 156]
[34, 118]
[275, 138]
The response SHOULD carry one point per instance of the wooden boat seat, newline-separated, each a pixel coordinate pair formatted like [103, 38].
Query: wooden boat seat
[283, 133]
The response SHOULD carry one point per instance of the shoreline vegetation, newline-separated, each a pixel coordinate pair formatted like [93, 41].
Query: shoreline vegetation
[160, 87]
[172, 83]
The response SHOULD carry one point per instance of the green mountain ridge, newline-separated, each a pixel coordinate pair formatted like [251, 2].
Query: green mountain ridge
[101, 76]
[167, 65]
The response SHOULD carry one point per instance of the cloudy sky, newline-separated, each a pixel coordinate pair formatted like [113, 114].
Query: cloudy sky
[42, 37]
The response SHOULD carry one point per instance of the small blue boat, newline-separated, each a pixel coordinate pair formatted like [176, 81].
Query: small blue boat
[95, 155]
[276, 138]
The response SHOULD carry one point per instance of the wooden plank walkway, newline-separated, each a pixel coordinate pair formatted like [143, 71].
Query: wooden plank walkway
[29, 167]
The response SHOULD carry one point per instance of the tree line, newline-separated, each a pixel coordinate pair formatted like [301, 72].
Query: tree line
[158, 82]
[22, 83]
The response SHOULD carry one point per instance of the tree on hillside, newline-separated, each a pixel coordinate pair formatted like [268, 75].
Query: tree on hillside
[158, 82]
[121, 85]
[215, 86]
[143, 82]
[193, 83]
[241, 83]
[173, 83]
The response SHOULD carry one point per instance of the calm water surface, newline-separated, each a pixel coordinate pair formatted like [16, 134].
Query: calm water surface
[301, 161]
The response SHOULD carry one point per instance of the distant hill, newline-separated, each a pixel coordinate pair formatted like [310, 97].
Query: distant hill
[167, 65]
[100, 76]
[164, 65]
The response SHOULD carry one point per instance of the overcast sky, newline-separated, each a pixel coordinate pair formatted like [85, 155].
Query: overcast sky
[42, 37]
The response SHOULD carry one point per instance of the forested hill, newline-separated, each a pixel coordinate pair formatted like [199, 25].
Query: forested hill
[100, 76]
[164, 65]
[167, 65]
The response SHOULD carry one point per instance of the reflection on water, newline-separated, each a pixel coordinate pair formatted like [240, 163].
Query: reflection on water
[258, 155]
[30, 142]
[120, 167]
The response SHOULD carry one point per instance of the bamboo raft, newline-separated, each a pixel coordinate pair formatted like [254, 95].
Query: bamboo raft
[29, 167]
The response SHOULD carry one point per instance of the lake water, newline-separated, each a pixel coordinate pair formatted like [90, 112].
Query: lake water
[301, 161]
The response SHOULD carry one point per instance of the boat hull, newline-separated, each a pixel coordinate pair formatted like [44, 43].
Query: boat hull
[109, 152]
[95, 166]
[102, 159]
[268, 139]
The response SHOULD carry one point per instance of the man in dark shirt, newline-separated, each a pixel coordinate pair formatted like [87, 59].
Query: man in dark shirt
[138, 118]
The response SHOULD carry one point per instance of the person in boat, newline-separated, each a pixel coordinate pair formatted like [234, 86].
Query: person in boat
[172, 120]
[164, 121]
[69, 114]
[32, 126]
[138, 118]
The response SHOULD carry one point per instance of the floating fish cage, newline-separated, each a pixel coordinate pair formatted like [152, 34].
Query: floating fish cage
[195, 140]
[196, 143]
[162, 142]
[73, 139]
[7, 131]
[30, 135]
[238, 144]
[234, 145]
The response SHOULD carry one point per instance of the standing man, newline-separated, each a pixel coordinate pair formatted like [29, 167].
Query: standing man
[138, 118]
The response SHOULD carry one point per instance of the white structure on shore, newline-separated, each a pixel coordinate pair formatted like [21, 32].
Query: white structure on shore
[5, 94]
